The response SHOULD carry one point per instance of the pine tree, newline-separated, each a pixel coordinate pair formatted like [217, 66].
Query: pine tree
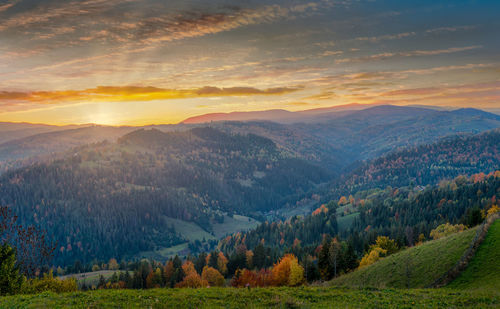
[10, 278]
[324, 260]
[212, 261]
[259, 256]
[200, 262]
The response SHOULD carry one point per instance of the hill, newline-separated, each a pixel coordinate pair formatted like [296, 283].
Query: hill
[399, 213]
[14, 130]
[339, 143]
[118, 199]
[302, 297]
[483, 271]
[425, 164]
[416, 267]
[376, 131]
[333, 137]
[48, 145]
[279, 115]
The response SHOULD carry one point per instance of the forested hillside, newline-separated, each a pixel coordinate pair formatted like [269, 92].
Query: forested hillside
[333, 138]
[339, 141]
[39, 147]
[424, 165]
[114, 199]
[404, 214]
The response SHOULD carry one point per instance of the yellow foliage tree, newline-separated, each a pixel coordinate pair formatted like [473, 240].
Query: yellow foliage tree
[387, 244]
[493, 210]
[49, 283]
[222, 263]
[371, 257]
[113, 264]
[296, 276]
[212, 276]
[249, 258]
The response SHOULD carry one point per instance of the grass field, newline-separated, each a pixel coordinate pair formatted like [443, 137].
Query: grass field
[301, 297]
[92, 278]
[235, 224]
[483, 271]
[188, 230]
[165, 253]
[416, 267]
[346, 221]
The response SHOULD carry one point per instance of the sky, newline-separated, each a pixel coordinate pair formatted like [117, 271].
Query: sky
[133, 62]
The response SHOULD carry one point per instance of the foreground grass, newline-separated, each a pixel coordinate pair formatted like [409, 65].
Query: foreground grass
[483, 271]
[416, 267]
[301, 297]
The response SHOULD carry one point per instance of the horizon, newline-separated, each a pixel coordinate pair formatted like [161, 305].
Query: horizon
[182, 122]
[138, 63]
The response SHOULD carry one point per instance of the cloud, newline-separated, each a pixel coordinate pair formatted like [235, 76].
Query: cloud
[129, 93]
[52, 15]
[238, 91]
[97, 20]
[324, 95]
[456, 90]
[450, 29]
[414, 53]
[329, 53]
[8, 5]
[386, 37]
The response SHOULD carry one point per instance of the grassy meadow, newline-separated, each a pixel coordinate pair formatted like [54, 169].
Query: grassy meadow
[416, 267]
[301, 297]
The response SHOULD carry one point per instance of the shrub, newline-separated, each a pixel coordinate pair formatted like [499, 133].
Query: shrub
[49, 283]
[446, 229]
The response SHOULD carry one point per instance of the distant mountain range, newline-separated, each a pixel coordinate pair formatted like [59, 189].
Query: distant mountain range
[333, 137]
[311, 115]
[280, 115]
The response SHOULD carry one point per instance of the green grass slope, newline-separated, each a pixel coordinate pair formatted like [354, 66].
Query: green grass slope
[416, 267]
[483, 271]
[302, 297]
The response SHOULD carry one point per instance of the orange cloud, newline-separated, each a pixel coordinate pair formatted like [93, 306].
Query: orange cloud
[131, 93]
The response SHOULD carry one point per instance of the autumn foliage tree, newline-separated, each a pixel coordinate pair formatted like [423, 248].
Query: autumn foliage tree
[212, 276]
[192, 279]
[288, 272]
[383, 246]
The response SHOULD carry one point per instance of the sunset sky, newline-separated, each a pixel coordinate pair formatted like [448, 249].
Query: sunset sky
[141, 62]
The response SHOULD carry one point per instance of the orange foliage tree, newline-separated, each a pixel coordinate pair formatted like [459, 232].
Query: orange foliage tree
[288, 272]
[212, 276]
[192, 279]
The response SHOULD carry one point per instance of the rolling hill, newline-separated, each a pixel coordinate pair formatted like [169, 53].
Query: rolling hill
[49, 145]
[423, 165]
[335, 138]
[483, 271]
[115, 199]
[416, 267]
